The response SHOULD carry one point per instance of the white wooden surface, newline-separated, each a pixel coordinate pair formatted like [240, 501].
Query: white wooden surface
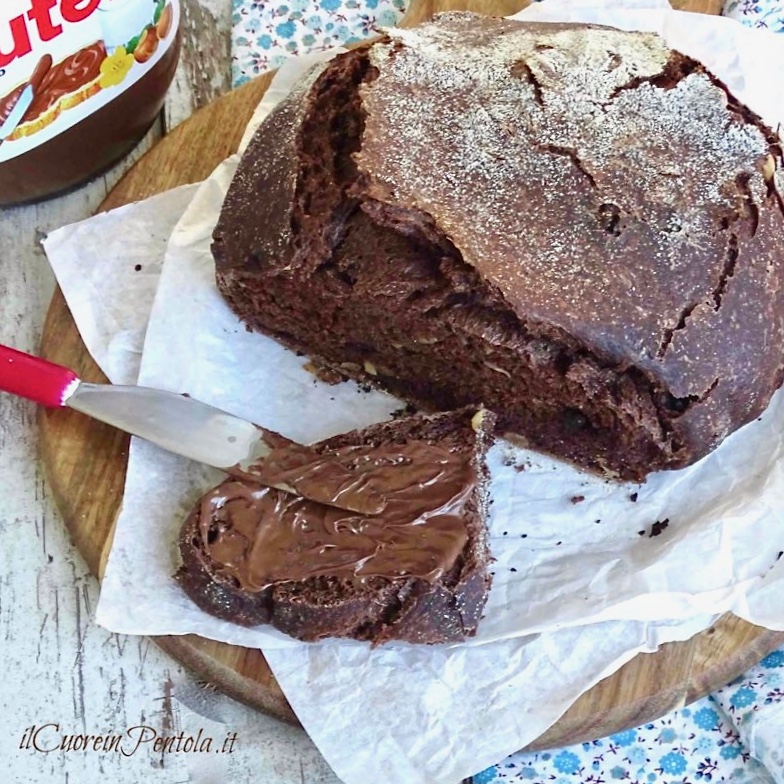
[59, 668]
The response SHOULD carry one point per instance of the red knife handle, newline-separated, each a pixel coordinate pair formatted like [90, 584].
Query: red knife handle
[34, 378]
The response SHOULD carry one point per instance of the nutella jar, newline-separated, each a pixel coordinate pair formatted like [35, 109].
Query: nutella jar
[81, 81]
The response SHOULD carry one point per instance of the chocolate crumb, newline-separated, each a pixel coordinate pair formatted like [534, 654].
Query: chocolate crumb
[597, 521]
[658, 527]
[778, 557]
[512, 569]
[557, 543]
[633, 498]
[519, 468]
[523, 536]
[576, 499]
[640, 533]
[506, 532]
[138, 268]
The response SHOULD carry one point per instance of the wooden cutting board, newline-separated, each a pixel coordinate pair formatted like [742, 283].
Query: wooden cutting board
[86, 463]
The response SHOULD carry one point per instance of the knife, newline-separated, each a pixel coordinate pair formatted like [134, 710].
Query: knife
[25, 99]
[182, 425]
[17, 113]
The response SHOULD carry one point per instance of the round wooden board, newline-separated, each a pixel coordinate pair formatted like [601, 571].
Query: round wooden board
[86, 463]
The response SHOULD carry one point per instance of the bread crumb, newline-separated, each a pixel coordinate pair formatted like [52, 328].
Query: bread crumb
[327, 375]
[657, 528]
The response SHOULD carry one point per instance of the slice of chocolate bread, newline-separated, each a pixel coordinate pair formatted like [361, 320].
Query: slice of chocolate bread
[416, 571]
[575, 226]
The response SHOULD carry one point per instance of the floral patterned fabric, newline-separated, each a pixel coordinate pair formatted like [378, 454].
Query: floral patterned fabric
[737, 733]
[734, 735]
[768, 14]
[266, 32]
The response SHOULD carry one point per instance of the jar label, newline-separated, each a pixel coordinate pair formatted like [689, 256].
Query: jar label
[61, 60]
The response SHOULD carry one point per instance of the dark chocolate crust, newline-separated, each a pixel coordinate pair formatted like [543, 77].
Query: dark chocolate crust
[378, 609]
[573, 225]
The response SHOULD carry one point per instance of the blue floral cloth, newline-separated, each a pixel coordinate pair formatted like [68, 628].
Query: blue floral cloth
[767, 14]
[734, 735]
[266, 32]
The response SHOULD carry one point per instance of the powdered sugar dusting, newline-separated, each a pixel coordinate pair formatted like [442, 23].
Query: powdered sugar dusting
[551, 158]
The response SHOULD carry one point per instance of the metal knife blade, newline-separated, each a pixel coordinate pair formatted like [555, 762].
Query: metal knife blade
[174, 422]
[201, 432]
[208, 435]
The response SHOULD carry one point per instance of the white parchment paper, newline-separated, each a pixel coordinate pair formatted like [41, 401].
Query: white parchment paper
[580, 585]
[109, 277]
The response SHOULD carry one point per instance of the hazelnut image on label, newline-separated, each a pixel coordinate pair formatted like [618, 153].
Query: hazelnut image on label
[147, 45]
[165, 22]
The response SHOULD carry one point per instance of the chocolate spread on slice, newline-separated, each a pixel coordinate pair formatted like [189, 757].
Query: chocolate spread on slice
[326, 478]
[259, 536]
[53, 82]
[66, 77]
[7, 104]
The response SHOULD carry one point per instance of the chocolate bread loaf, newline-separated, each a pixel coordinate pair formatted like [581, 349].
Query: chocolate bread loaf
[575, 226]
[414, 571]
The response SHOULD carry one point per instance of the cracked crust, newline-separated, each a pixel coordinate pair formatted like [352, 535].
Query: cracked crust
[573, 225]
